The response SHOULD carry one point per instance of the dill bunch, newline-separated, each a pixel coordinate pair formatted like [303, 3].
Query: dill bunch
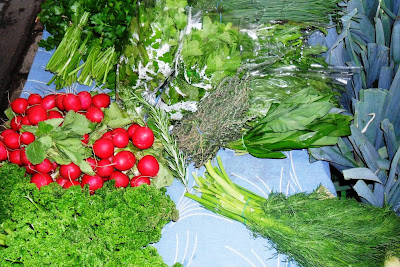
[313, 229]
[218, 120]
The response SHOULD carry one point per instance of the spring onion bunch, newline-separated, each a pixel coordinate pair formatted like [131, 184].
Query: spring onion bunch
[312, 229]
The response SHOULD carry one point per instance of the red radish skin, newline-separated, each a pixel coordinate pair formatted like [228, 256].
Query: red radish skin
[104, 168]
[92, 162]
[16, 123]
[27, 138]
[37, 114]
[121, 179]
[48, 102]
[86, 99]
[41, 179]
[120, 138]
[61, 181]
[143, 138]
[3, 152]
[95, 182]
[103, 148]
[14, 156]
[54, 114]
[139, 180]
[59, 101]
[6, 131]
[69, 183]
[19, 105]
[30, 169]
[72, 102]
[101, 100]
[54, 166]
[45, 167]
[132, 129]
[24, 158]
[34, 99]
[95, 114]
[85, 139]
[148, 166]
[108, 135]
[25, 120]
[12, 140]
[70, 171]
[124, 160]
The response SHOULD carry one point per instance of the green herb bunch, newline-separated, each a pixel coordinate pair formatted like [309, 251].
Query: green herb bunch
[54, 226]
[148, 57]
[312, 229]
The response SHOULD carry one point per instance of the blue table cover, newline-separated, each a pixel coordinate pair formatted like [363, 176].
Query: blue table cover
[200, 237]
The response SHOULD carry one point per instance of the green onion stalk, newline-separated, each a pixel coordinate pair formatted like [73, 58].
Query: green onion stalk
[312, 229]
[263, 11]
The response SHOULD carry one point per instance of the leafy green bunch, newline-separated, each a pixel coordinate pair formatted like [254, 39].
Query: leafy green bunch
[109, 20]
[147, 59]
[54, 226]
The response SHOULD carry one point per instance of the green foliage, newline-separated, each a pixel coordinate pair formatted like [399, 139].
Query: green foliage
[302, 120]
[61, 227]
[312, 229]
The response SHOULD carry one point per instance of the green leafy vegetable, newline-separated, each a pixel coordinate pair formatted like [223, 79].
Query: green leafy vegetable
[55, 226]
[312, 229]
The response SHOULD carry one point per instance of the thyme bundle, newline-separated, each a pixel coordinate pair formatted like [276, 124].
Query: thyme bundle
[218, 120]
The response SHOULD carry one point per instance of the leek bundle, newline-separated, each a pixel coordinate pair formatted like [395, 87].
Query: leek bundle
[311, 229]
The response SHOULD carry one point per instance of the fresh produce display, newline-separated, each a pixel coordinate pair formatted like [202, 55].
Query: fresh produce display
[312, 229]
[300, 121]
[81, 139]
[54, 226]
[148, 58]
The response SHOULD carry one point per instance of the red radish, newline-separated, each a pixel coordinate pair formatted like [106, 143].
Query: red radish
[49, 102]
[14, 156]
[19, 105]
[92, 162]
[108, 135]
[37, 114]
[34, 99]
[24, 158]
[30, 169]
[120, 138]
[69, 183]
[12, 140]
[101, 100]
[103, 148]
[3, 152]
[70, 171]
[104, 168]
[25, 120]
[121, 179]
[139, 180]
[59, 101]
[16, 123]
[143, 138]
[95, 182]
[86, 99]
[132, 129]
[54, 114]
[41, 179]
[85, 138]
[124, 160]
[54, 166]
[45, 167]
[27, 138]
[148, 166]
[71, 102]
[94, 114]
[7, 131]
[61, 181]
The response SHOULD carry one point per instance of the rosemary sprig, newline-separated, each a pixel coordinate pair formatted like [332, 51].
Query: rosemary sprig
[176, 159]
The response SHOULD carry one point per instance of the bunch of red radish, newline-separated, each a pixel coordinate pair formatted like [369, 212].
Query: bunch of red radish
[109, 162]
